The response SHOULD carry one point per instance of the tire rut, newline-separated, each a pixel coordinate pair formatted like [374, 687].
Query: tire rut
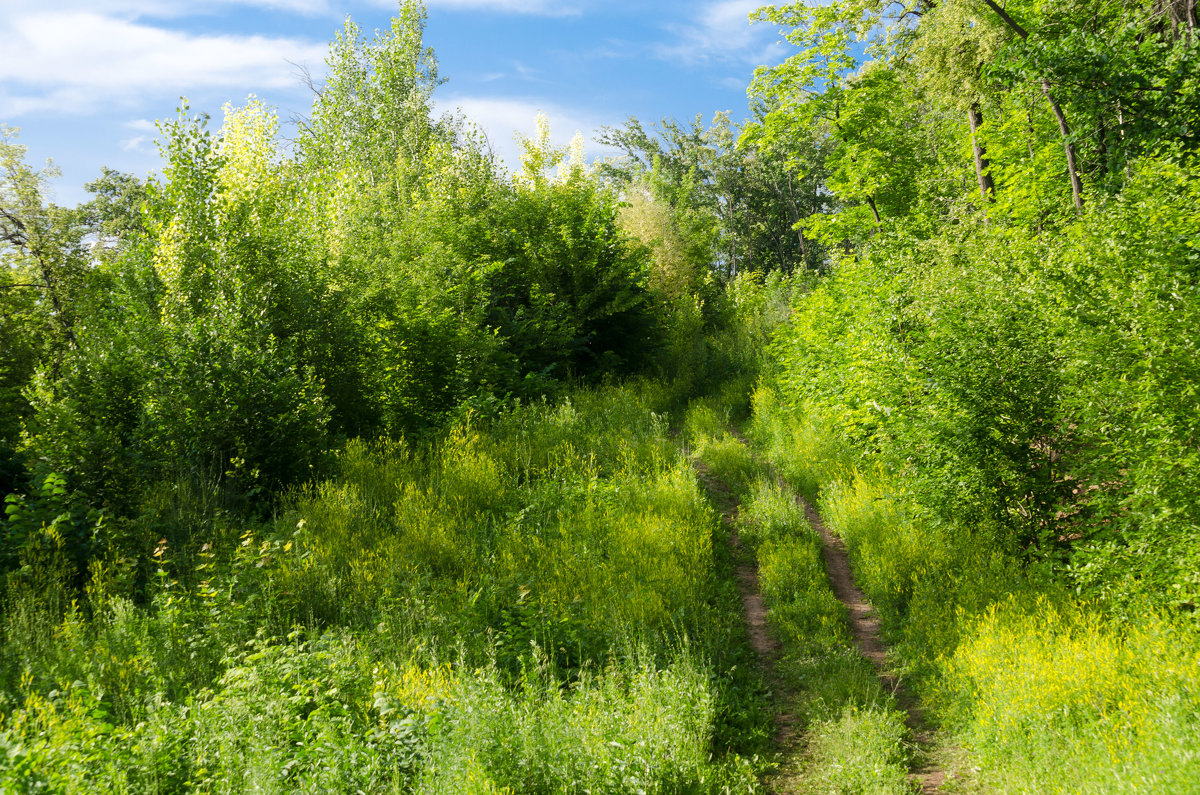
[865, 628]
[754, 610]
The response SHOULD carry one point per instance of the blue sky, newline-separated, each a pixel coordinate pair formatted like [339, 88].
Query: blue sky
[86, 79]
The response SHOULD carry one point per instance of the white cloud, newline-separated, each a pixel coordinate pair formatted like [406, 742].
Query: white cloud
[163, 9]
[139, 143]
[80, 61]
[503, 119]
[528, 72]
[142, 125]
[720, 30]
[520, 71]
[545, 8]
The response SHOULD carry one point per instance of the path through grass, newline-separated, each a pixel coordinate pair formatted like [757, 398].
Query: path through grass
[844, 724]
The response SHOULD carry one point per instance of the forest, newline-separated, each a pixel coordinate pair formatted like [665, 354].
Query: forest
[360, 462]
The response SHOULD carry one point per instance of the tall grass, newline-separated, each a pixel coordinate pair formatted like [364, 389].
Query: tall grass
[1061, 700]
[530, 603]
[1044, 693]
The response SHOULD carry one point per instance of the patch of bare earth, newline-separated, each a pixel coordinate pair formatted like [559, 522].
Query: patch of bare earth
[864, 628]
[754, 611]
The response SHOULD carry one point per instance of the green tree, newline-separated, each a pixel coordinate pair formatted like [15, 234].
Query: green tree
[569, 294]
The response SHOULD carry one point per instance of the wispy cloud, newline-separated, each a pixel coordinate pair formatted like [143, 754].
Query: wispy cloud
[503, 119]
[528, 72]
[141, 125]
[520, 71]
[165, 9]
[543, 8]
[79, 61]
[142, 142]
[720, 31]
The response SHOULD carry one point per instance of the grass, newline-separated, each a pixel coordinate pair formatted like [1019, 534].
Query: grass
[861, 752]
[1042, 693]
[1064, 700]
[535, 602]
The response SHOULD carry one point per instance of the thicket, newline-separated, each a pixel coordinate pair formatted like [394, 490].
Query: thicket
[991, 395]
[227, 326]
[531, 603]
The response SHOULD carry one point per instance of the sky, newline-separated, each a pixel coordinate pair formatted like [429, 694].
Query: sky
[85, 80]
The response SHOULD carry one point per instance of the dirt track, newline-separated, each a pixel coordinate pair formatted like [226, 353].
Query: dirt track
[864, 627]
[754, 611]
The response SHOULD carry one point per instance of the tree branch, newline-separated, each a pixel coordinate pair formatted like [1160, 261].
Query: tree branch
[1063, 127]
[1012, 23]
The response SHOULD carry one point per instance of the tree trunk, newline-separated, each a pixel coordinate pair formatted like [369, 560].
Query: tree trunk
[18, 236]
[1103, 154]
[987, 187]
[1124, 150]
[60, 315]
[1029, 132]
[1063, 127]
[1182, 14]
[874, 210]
[1068, 145]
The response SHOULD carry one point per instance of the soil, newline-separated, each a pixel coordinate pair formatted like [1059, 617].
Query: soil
[864, 628]
[925, 774]
[754, 611]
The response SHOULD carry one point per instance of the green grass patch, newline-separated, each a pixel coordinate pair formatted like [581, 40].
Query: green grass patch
[530, 603]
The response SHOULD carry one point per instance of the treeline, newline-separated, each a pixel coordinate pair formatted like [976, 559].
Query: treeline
[1004, 196]
[992, 395]
[225, 326]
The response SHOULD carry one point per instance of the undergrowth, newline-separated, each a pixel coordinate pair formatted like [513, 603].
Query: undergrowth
[531, 603]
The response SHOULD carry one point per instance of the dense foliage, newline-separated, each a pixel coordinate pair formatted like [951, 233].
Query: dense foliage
[246, 310]
[358, 464]
[1024, 366]
[312, 484]
[991, 395]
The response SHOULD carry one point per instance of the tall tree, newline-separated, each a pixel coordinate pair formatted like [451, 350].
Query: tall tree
[1063, 126]
[40, 239]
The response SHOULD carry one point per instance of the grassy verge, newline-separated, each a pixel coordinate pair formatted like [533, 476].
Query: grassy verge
[1044, 694]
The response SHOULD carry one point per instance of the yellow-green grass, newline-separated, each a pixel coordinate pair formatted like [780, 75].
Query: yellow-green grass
[529, 604]
[1045, 694]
